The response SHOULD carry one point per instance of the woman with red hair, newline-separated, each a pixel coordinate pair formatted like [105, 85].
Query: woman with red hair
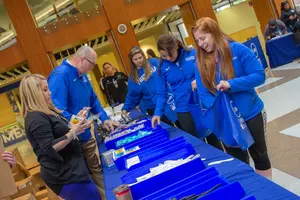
[231, 67]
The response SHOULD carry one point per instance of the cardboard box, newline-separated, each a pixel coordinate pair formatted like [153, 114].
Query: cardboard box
[6, 198]
[26, 197]
[18, 176]
[18, 156]
[51, 194]
[20, 172]
[24, 187]
[36, 178]
[41, 194]
[7, 183]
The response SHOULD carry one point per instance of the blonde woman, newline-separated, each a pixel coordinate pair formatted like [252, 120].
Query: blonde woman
[59, 153]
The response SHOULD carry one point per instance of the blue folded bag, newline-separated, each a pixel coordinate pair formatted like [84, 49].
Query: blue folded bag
[197, 110]
[226, 122]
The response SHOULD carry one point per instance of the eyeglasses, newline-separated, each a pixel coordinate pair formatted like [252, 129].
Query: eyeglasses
[90, 62]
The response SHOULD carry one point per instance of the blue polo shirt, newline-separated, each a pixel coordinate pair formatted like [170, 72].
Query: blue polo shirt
[71, 92]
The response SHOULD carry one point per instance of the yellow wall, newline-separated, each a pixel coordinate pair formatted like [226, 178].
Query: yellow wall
[237, 18]
[8, 116]
[108, 57]
[148, 43]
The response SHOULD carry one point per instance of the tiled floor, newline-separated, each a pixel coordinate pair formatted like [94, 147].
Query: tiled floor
[281, 95]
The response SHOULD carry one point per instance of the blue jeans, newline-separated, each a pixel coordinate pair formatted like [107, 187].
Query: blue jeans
[80, 191]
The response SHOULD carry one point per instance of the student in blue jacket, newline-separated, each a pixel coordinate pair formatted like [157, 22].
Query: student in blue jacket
[177, 70]
[228, 66]
[141, 83]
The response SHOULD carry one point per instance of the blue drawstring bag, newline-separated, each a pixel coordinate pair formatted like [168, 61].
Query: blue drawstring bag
[197, 110]
[226, 122]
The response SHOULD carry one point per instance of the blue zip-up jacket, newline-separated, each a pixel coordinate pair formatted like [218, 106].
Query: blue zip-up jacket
[248, 74]
[143, 92]
[179, 76]
[71, 93]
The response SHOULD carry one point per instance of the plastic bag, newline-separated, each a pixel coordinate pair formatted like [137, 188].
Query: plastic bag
[226, 122]
[197, 110]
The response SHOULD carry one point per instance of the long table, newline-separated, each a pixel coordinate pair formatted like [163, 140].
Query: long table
[234, 170]
[282, 50]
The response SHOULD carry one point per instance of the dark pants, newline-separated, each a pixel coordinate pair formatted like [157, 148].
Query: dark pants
[188, 125]
[163, 118]
[80, 191]
[258, 150]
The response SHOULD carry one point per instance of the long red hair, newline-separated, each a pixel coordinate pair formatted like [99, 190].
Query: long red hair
[206, 61]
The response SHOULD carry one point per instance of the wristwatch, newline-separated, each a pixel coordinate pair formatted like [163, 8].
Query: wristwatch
[75, 137]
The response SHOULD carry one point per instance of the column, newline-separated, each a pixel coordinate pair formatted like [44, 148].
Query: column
[203, 8]
[116, 14]
[263, 11]
[28, 36]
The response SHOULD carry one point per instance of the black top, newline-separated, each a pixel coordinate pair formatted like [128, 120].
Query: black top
[296, 27]
[115, 87]
[285, 18]
[57, 168]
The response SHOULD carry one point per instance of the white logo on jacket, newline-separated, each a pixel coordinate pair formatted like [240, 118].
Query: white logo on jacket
[142, 78]
[190, 58]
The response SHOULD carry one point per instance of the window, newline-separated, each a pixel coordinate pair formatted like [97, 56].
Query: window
[7, 31]
[219, 5]
[48, 11]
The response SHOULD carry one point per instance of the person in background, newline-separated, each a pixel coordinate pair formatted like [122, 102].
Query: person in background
[141, 84]
[53, 139]
[275, 28]
[71, 91]
[9, 158]
[177, 69]
[113, 84]
[151, 54]
[228, 66]
[288, 15]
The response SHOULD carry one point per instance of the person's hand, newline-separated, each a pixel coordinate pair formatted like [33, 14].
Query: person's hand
[292, 17]
[84, 112]
[10, 158]
[155, 120]
[223, 86]
[110, 125]
[80, 126]
[124, 112]
[194, 85]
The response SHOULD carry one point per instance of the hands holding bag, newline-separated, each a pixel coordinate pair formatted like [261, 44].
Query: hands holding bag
[226, 122]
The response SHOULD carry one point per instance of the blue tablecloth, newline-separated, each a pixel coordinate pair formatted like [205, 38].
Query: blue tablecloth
[235, 170]
[282, 51]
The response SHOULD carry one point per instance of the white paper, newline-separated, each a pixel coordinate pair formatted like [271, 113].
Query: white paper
[132, 161]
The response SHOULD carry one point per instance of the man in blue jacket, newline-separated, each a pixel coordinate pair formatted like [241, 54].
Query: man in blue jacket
[71, 92]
